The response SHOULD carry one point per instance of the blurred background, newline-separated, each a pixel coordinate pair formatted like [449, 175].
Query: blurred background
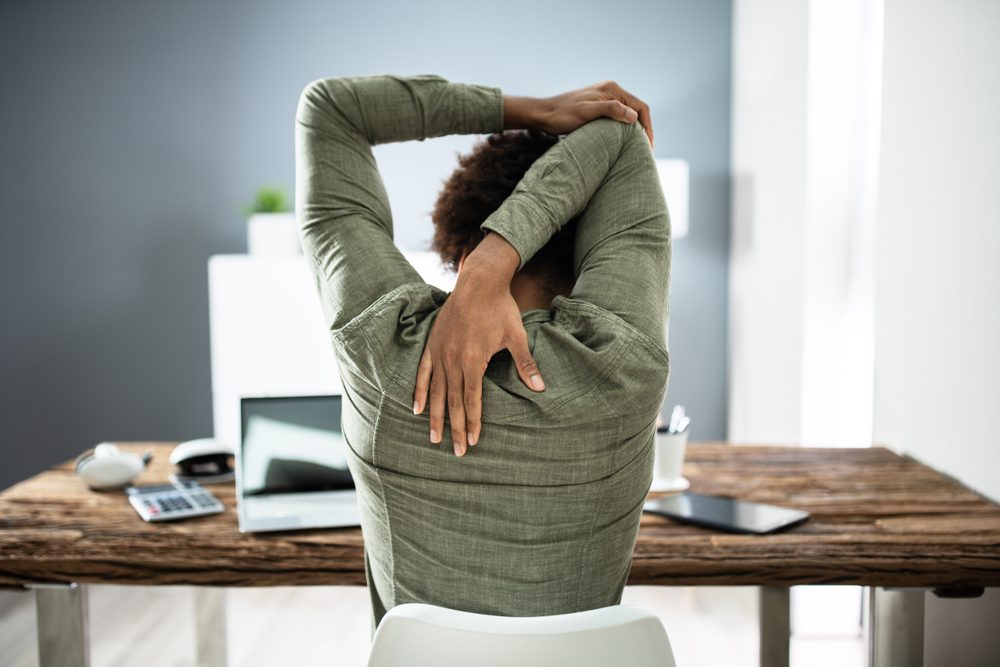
[838, 286]
[133, 133]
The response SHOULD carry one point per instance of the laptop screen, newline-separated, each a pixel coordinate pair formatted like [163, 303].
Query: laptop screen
[292, 445]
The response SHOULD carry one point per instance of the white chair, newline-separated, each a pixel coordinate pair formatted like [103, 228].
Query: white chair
[422, 635]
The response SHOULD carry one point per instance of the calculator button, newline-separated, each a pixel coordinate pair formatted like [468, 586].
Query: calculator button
[163, 504]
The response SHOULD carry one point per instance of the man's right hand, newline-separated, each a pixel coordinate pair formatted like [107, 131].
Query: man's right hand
[479, 319]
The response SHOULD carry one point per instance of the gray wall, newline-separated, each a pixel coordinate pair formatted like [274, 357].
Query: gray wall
[132, 132]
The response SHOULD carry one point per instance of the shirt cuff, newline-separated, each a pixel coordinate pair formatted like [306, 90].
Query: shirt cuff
[483, 110]
[523, 223]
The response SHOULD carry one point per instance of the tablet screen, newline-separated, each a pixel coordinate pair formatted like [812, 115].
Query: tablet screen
[725, 513]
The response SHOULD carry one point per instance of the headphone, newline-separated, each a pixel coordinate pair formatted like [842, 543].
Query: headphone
[106, 467]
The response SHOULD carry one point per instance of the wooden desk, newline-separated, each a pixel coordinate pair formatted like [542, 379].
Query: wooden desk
[878, 520]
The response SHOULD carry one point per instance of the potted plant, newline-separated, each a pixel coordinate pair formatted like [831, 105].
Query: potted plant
[271, 226]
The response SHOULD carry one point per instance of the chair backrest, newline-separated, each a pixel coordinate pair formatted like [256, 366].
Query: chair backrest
[421, 635]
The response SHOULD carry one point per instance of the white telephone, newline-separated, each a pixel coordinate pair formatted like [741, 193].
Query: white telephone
[206, 460]
[106, 467]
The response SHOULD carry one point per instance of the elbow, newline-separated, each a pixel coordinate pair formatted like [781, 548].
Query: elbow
[314, 97]
[635, 137]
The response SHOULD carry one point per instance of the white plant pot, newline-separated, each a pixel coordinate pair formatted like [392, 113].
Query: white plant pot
[273, 234]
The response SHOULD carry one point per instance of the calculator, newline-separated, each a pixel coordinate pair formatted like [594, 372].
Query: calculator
[165, 502]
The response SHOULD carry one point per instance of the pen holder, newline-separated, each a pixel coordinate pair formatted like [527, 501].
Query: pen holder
[669, 461]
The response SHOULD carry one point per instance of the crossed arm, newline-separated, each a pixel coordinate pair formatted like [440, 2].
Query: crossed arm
[480, 317]
[347, 227]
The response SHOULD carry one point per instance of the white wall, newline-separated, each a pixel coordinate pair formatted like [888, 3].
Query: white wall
[805, 154]
[770, 46]
[937, 363]
[267, 332]
[842, 142]
[936, 336]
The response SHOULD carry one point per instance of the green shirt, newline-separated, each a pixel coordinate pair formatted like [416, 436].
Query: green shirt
[540, 517]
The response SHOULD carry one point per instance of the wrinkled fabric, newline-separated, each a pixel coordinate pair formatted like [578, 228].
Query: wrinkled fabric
[540, 517]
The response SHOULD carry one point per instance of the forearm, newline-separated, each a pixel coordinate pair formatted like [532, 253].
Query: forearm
[341, 203]
[338, 120]
[603, 173]
[558, 186]
[383, 109]
[523, 113]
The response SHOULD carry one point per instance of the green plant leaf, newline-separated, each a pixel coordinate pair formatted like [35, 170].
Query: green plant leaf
[268, 200]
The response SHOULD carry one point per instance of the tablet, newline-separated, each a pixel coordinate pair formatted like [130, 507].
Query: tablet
[734, 516]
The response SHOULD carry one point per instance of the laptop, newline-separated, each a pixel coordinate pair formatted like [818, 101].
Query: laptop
[291, 465]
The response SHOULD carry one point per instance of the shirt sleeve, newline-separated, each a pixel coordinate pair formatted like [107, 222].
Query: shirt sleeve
[605, 173]
[341, 204]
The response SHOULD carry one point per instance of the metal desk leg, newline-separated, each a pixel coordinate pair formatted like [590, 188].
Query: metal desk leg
[63, 632]
[775, 628]
[896, 629]
[210, 628]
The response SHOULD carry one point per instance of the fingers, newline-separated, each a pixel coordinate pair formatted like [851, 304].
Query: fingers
[473, 406]
[642, 110]
[456, 412]
[647, 124]
[447, 392]
[438, 389]
[423, 382]
[525, 363]
[632, 102]
[615, 110]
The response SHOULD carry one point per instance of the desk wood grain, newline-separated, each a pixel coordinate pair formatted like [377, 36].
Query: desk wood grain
[877, 519]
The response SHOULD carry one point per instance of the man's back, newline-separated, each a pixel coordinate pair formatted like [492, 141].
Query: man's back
[541, 515]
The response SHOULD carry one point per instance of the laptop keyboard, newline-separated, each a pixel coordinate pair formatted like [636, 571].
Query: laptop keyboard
[302, 506]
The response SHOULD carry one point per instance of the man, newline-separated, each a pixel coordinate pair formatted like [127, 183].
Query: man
[541, 516]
